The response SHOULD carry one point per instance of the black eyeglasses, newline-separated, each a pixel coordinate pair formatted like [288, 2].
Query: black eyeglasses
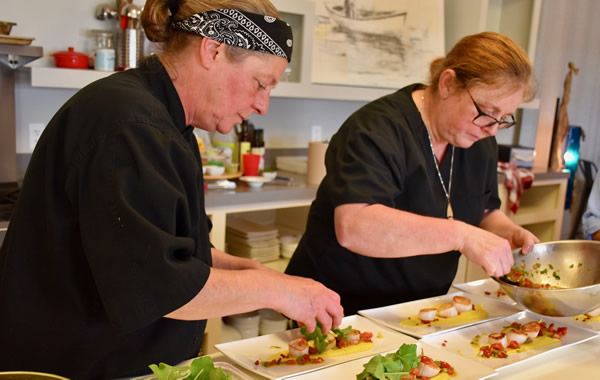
[483, 120]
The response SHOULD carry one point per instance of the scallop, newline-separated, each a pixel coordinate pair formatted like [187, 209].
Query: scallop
[462, 304]
[447, 310]
[498, 338]
[428, 314]
[330, 339]
[427, 367]
[353, 337]
[517, 336]
[532, 329]
[298, 347]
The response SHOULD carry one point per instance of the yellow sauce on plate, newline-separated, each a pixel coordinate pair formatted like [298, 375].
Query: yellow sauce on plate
[441, 376]
[586, 318]
[465, 317]
[331, 353]
[335, 352]
[537, 343]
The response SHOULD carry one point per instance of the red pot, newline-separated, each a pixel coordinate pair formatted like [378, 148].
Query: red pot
[71, 59]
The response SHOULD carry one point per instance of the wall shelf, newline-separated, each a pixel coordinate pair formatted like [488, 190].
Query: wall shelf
[301, 16]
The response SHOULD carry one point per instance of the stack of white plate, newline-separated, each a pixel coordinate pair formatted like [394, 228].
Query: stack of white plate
[288, 244]
[246, 323]
[271, 322]
[252, 240]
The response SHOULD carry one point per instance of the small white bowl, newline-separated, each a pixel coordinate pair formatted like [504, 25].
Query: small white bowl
[255, 181]
[270, 175]
[215, 170]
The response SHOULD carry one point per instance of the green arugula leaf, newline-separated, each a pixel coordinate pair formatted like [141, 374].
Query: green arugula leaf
[392, 366]
[163, 371]
[342, 333]
[201, 368]
[317, 336]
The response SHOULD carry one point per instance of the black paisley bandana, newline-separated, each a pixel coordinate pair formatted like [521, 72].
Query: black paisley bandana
[242, 29]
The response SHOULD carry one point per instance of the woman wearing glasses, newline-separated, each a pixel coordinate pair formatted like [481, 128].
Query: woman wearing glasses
[411, 182]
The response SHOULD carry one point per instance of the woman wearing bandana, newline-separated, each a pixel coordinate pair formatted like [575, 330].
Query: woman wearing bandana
[107, 265]
[411, 183]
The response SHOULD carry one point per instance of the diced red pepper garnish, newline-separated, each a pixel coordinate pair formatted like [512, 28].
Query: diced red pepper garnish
[562, 331]
[366, 336]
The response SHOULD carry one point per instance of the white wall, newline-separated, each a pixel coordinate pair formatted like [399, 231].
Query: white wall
[57, 24]
[570, 31]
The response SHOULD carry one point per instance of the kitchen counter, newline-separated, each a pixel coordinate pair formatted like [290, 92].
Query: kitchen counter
[297, 189]
[271, 196]
[276, 191]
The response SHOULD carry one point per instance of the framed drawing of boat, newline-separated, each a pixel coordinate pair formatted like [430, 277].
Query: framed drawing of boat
[376, 43]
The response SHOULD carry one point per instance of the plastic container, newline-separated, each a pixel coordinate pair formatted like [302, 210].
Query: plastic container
[104, 52]
[228, 145]
[250, 164]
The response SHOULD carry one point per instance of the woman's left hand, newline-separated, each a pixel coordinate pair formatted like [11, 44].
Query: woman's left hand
[524, 239]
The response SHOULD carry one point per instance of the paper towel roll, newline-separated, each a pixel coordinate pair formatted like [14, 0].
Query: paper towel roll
[316, 162]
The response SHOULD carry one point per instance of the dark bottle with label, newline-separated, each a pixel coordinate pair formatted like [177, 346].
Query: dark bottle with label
[258, 147]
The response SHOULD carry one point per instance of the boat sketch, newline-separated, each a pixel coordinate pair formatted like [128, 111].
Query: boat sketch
[376, 43]
[367, 21]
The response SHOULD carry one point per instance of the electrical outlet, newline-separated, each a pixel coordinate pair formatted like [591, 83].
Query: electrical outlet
[316, 132]
[35, 131]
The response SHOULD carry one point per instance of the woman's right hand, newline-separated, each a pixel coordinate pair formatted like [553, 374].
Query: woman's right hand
[308, 302]
[489, 250]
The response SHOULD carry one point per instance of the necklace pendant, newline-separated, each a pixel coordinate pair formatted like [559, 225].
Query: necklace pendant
[449, 211]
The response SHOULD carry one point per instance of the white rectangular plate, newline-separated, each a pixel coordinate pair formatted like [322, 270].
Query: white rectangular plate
[465, 369]
[460, 341]
[246, 352]
[392, 315]
[487, 288]
[592, 324]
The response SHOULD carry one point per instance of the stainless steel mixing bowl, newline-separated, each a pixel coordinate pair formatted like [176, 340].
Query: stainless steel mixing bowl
[573, 266]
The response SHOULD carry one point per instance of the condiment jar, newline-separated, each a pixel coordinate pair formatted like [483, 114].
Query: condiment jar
[104, 52]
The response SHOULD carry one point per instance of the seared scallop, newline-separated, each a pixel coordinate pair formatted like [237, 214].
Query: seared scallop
[298, 347]
[447, 310]
[532, 329]
[353, 336]
[462, 304]
[498, 338]
[428, 314]
[516, 336]
[427, 367]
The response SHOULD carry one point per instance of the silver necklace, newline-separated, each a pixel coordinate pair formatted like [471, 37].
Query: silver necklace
[449, 211]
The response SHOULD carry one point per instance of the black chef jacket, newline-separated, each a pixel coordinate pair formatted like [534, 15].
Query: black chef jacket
[381, 155]
[109, 234]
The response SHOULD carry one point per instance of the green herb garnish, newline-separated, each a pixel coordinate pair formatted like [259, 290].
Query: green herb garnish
[342, 333]
[391, 366]
[201, 368]
[317, 337]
